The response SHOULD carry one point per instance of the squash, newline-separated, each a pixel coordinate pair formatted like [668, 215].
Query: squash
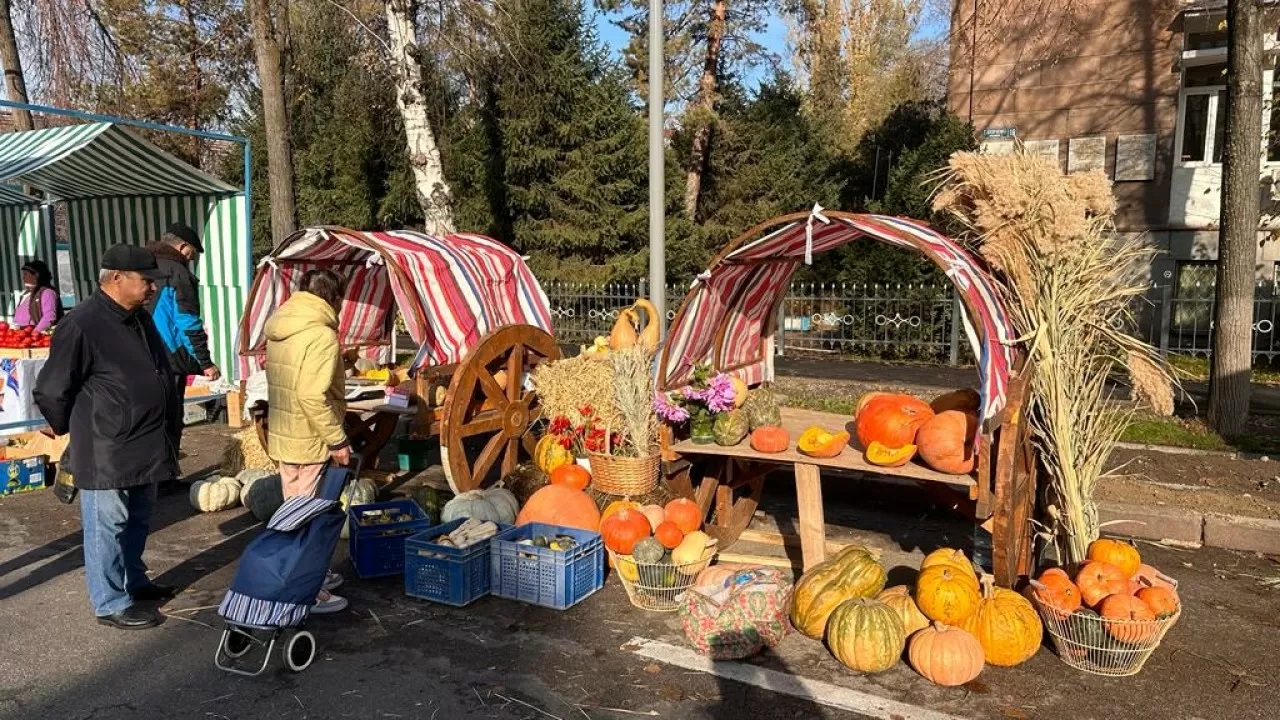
[571, 474]
[849, 575]
[866, 398]
[1056, 591]
[647, 551]
[495, 504]
[820, 443]
[669, 535]
[899, 598]
[216, 495]
[770, 439]
[1162, 602]
[946, 442]
[729, 428]
[651, 335]
[1128, 619]
[966, 400]
[878, 454]
[762, 409]
[550, 454]
[684, 513]
[360, 491]
[740, 391]
[946, 594]
[623, 335]
[1118, 553]
[1005, 624]
[1097, 580]
[623, 529]
[1084, 634]
[693, 555]
[713, 578]
[655, 515]
[561, 505]
[950, 557]
[499, 495]
[263, 494]
[432, 499]
[945, 655]
[891, 419]
[865, 635]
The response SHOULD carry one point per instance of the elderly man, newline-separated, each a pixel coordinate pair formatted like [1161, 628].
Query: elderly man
[109, 383]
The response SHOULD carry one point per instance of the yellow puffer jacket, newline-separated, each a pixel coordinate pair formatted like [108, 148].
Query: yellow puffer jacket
[306, 381]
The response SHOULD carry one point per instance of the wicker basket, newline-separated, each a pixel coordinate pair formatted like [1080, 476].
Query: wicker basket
[617, 475]
[1096, 645]
[658, 587]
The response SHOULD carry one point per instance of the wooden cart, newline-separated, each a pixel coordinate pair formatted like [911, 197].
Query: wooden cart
[728, 320]
[477, 314]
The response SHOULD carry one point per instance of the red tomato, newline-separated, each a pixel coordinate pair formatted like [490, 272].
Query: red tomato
[4, 326]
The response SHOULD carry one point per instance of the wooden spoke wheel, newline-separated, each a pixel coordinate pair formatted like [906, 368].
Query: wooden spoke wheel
[487, 398]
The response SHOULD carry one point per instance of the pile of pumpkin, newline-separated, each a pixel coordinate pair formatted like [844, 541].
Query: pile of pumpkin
[1115, 600]
[950, 625]
[657, 547]
[893, 429]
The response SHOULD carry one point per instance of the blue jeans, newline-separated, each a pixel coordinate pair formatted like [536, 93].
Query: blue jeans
[116, 523]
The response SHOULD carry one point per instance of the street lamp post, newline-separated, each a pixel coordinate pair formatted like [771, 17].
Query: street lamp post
[657, 174]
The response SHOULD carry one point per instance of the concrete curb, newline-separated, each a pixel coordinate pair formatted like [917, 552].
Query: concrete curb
[1181, 526]
[1169, 450]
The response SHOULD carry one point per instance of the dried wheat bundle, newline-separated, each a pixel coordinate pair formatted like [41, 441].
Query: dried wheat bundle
[633, 398]
[243, 452]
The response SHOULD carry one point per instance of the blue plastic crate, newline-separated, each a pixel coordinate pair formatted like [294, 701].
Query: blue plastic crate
[378, 550]
[443, 574]
[22, 474]
[541, 576]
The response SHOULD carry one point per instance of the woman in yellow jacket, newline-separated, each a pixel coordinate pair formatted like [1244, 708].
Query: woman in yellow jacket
[306, 394]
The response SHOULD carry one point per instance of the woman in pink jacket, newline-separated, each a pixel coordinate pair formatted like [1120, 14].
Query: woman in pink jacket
[39, 305]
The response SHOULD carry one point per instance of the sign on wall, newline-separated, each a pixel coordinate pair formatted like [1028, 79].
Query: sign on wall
[999, 133]
[1086, 154]
[1135, 158]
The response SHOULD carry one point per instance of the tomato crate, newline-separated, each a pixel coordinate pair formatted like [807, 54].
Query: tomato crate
[444, 574]
[557, 579]
[378, 549]
[22, 474]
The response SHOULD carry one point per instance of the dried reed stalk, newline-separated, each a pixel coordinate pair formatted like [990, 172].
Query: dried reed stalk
[633, 398]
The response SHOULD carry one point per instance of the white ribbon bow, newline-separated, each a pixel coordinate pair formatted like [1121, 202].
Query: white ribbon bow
[268, 260]
[702, 277]
[814, 214]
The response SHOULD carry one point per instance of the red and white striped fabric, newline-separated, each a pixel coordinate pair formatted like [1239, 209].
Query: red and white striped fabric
[734, 303]
[451, 290]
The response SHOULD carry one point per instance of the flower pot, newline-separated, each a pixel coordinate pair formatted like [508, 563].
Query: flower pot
[701, 429]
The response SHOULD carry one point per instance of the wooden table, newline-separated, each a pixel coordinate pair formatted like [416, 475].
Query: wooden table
[745, 468]
[370, 425]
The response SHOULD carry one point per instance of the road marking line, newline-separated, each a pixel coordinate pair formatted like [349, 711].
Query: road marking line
[815, 691]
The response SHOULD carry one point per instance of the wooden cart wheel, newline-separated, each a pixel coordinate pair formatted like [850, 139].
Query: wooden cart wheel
[478, 404]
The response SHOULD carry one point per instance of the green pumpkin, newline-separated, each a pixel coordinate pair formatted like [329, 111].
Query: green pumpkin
[1088, 635]
[762, 409]
[851, 574]
[647, 551]
[730, 428]
[262, 495]
[866, 635]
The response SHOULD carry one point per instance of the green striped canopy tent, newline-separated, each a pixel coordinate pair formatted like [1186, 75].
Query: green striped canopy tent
[119, 188]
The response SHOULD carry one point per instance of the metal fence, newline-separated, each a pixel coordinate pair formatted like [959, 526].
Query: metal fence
[1179, 321]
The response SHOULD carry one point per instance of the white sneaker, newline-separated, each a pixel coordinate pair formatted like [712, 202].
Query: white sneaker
[327, 603]
[332, 580]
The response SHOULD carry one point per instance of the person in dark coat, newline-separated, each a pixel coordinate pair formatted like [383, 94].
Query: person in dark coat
[175, 306]
[108, 382]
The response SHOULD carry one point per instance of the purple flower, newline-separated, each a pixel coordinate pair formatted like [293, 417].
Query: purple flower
[668, 411]
[720, 395]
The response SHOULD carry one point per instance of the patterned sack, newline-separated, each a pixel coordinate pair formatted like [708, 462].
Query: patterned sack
[742, 617]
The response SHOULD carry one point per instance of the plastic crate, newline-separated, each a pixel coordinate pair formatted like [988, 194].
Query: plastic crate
[378, 550]
[413, 454]
[443, 574]
[558, 579]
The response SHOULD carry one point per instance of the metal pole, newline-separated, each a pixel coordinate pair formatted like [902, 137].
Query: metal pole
[657, 173]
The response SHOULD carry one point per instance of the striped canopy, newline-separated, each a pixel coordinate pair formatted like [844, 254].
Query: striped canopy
[13, 196]
[729, 316]
[451, 290]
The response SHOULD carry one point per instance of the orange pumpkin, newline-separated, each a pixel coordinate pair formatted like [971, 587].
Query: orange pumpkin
[820, 443]
[1148, 575]
[866, 398]
[684, 513]
[967, 400]
[878, 454]
[655, 514]
[770, 439]
[561, 505]
[617, 505]
[893, 420]
[1118, 553]
[946, 442]
[669, 535]
[571, 474]
[1056, 590]
[623, 529]
[1162, 602]
[1097, 580]
[1128, 619]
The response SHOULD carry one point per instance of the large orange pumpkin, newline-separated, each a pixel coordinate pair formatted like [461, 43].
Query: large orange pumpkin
[945, 442]
[946, 594]
[1118, 553]
[684, 513]
[950, 557]
[1097, 580]
[866, 398]
[893, 420]
[1055, 590]
[561, 505]
[571, 474]
[1128, 619]
[623, 529]
[1162, 602]
[945, 655]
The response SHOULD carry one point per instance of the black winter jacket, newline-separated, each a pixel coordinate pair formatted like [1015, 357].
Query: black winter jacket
[109, 383]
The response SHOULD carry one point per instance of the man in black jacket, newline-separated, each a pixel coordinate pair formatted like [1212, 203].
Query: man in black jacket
[109, 383]
[175, 306]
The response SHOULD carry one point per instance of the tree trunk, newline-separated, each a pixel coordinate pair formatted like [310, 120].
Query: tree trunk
[1238, 236]
[424, 153]
[15, 84]
[704, 110]
[269, 36]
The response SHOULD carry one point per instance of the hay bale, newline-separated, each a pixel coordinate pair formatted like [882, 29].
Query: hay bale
[244, 452]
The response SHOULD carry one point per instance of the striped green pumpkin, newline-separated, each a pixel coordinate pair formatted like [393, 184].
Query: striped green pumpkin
[866, 635]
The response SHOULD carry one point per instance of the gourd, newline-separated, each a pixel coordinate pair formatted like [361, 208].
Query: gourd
[740, 391]
[215, 495]
[770, 439]
[892, 420]
[1006, 625]
[945, 655]
[850, 575]
[899, 598]
[561, 505]
[1118, 553]
[647, 551]
[1128, 619]
[1085, 633]
[550, 454]
[865, 635]
[820, 443]
[966, 400]
[623, 335]
[684, 513]
[1097, 580]
[496, 504]
[946, 594]
[729, 428]
[692, 554]
[617, 505]
[878, 454]
[669, 535]
[651, 335]
[573, 475]
[1162, 602]
[623, 529]
[950, 557]
[655, 514]
[262, 494]
[946, 442]
[762, 409]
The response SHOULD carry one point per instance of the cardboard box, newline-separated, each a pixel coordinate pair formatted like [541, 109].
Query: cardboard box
[22, 475]
[235, 409]
[34, 444]
[24, 353]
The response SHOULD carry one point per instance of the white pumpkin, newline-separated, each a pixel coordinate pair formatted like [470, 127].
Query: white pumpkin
[496, 504]
[215, 495]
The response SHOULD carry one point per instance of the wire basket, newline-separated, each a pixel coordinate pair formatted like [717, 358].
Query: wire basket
[658, 587]
[1097, 645]
[620, 475]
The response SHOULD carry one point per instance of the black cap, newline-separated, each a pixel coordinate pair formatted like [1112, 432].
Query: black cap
[130, 258]
[186, 234]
